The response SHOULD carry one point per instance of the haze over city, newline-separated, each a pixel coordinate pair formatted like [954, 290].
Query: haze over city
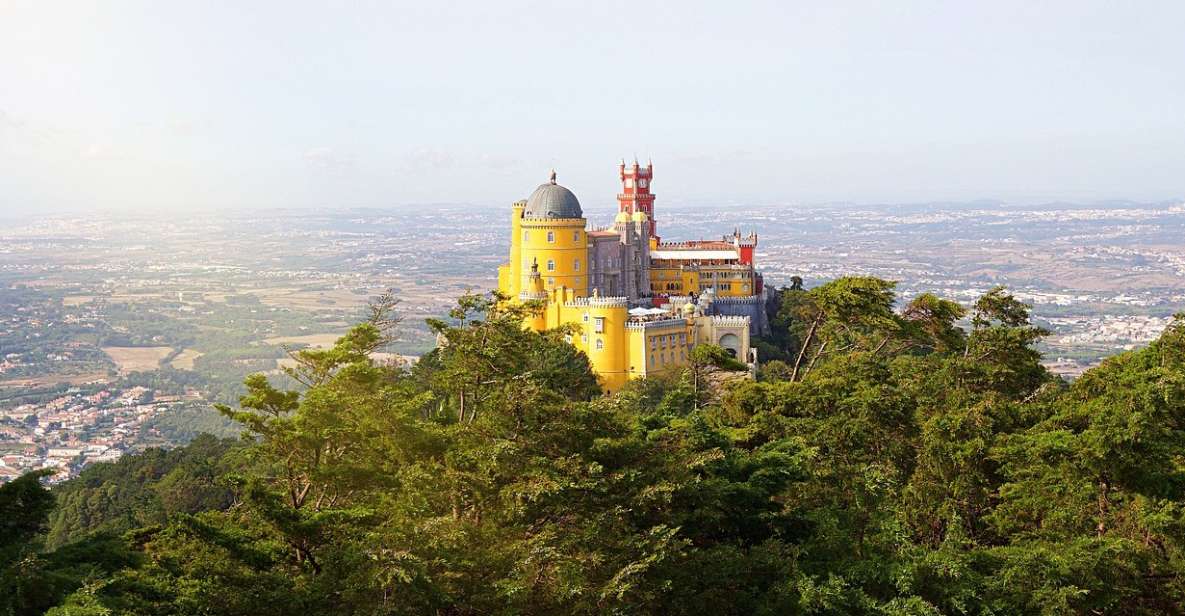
[168, 106]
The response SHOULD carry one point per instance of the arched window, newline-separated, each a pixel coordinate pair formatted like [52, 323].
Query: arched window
[600, 344]
[551, 237]
[551, 265]
[526, 235]
[576, 264]
[575, 236]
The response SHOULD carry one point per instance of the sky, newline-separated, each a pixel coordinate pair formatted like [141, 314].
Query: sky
[178, 105]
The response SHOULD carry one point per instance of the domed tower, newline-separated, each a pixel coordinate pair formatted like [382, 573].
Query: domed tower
[552, 234]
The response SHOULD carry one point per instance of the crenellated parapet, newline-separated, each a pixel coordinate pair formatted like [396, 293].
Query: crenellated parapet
[749, 299]
[729, 320]
[656, 325]
[598, 302]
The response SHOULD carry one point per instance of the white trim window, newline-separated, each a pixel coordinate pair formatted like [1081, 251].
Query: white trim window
[551, 237]
[551, 265]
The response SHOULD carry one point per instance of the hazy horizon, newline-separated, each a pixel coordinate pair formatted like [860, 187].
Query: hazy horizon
[130, 106]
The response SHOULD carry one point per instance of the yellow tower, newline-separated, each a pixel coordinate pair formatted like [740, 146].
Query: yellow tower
[604, 337]
[549, 230]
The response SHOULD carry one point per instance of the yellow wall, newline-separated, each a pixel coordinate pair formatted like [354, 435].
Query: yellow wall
[610, 361]
[727, 281]
[667, 350]
[567, 252]
[667, 281]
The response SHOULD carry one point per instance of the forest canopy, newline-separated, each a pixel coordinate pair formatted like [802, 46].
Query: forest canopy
[893, 459]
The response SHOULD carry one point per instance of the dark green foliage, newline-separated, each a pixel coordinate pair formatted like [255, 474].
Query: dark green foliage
[23, 507]
[142, 490]
[893, 464]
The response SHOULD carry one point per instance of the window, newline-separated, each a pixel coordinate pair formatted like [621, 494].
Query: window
[551, 265]
[551, 282]
[599, 325]
[600, 344]
[576, 265]
[526, 236]
[586, 317]
[551, 237]
[575, 236]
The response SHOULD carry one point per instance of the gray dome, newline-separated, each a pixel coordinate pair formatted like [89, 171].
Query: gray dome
[552, 201]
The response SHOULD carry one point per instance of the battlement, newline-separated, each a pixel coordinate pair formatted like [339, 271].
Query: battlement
[598, 302]
[749, 299]
[659, 324]
[527, 295]
[724, 319]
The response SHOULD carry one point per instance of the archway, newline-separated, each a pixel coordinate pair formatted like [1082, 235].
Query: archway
[732, 342]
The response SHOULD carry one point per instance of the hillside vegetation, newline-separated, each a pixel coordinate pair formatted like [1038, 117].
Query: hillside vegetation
[891, 462]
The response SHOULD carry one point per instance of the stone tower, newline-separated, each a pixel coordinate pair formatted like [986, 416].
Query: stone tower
[635, 192]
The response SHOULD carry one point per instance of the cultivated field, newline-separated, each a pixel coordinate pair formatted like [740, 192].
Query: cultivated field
[310, 299]
[54, 379]
[320, 341]
[184, 361]
[137, 359]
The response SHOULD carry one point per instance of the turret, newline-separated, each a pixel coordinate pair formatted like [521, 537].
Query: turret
[515, 277]
[535, 291]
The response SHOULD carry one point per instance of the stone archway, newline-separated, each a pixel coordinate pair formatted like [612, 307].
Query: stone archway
[732, 342]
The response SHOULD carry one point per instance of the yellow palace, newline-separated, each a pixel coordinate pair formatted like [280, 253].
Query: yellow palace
[639, 305]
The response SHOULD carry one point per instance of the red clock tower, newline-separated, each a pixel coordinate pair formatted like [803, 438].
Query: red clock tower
[635, 192]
